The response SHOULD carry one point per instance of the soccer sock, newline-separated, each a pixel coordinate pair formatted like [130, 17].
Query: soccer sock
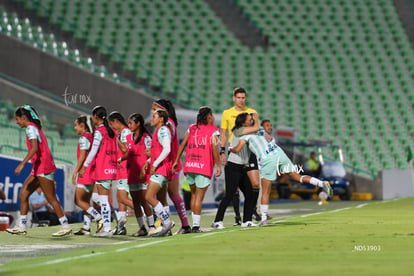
[316, 182]
[23, 221]
[64, 222]
[106, 212]
[162, 214]
[196, 220]
[180, 206]
[95, 214]
[167, 209]
[141, 222]
[95, 198]
[86, 222]
[150, 221]
[121, 217]
[263, 211]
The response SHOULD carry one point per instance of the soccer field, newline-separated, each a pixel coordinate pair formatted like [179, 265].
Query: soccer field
[341, 238]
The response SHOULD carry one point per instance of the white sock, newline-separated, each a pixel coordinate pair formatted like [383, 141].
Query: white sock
[167, 209]
[116, 215]
[196, 220]
[121, 217]
[95, 214]
[64, 222]
[150, 221]
[106, 212]
[23, 221]
[263, 210]
[316, 182]
[95, 198]
[141, 221]
[162, 214]
[86, 222]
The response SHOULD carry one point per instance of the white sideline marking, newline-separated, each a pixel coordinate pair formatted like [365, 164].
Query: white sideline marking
[311, 214]
[72, 258]
[17, 248]
[361, 205]
[139, 245]
[340, 210]
[212, 233]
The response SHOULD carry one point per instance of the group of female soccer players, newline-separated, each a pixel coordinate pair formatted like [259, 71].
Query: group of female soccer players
[144, 167]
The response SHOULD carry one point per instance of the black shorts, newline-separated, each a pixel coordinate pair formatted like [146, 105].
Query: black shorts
[252, 163]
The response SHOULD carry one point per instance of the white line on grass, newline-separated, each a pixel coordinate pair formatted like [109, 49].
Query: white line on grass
[140, 245]
[339, 210]
[212, 233]
[361, 205]
[311, 214]
[72, 258]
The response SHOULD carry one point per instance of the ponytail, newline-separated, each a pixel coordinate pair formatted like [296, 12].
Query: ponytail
[83, 119]
[136, 117]
[168, 106]
[115, 115]
[100, 112]
[202, 115]
[31, 114]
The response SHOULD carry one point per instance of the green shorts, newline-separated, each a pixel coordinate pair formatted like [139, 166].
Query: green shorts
[160, 179]
[104, 183]
[87, 187]
[138, 187]
[49, 176]
[122, 184]
[201, 181]
[274, 164]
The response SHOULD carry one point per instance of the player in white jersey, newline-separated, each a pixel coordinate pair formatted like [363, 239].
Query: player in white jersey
[273, 161]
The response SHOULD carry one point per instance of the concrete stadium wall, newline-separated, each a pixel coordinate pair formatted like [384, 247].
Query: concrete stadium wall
[55, 75]
[20, 96]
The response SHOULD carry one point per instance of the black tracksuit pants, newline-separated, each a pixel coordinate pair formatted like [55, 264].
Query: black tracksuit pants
[236, 176]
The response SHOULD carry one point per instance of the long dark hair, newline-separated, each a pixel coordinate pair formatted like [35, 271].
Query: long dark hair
[240, 119]
[163, 114]
[168, 105]
[202, 115]
[31, 114]
[115, 115]
[100, 112]
[136, 117]
[83, 119]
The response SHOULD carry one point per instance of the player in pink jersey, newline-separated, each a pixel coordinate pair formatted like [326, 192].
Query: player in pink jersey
[202, 153]
[117, 122]
[104, 152]
[42, 174]
[160, 167]
[173, 184]
[85, 184]
[138, 142]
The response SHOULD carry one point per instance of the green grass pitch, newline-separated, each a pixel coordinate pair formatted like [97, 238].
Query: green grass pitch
[342, 238]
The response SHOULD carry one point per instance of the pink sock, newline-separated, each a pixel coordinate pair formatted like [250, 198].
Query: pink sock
[180, 207]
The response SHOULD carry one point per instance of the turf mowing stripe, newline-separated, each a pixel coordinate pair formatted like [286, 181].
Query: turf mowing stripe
[140, 245]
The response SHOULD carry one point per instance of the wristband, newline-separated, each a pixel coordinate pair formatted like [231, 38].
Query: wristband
[222, 150]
